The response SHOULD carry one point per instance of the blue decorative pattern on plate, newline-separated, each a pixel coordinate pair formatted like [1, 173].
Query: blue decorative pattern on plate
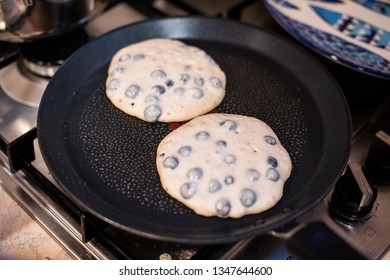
[377, 6]
[354, 33]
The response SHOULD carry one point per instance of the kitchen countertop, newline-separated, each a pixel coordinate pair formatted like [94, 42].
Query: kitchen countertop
[21, 238]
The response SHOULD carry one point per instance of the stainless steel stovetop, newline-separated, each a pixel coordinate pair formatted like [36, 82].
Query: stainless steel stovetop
[317, 234]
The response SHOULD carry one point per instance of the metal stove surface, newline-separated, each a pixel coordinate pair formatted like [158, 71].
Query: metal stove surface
[86, 238]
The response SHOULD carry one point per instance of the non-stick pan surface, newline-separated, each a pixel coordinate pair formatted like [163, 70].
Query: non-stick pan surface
[105, 159]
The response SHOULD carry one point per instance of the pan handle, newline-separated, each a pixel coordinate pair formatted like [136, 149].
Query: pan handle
[312, 241]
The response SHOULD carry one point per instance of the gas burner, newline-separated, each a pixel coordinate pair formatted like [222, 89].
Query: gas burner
[26, 79]
[21, 85]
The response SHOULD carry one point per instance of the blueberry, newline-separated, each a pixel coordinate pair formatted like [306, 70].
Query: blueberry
[223, 207]
[158, 89]
[114, 84]
[202, 135]
[158, 74]
[179, 91]
[196, 93]
[214, 186]
[272, 161]
[253, 175]
[248, 197]
[215, 82]
[229, 180]
[270, 140]
[229, 125]
[151, 99]
[185, 78]
[169, 83]
[152, 113]
[133, 91]
[272, 174]
[199, 81]
[195, 174]
[118, 70]
[185, 151]
[200, 53]
[229, 159]
[221, 144]
[138, 57]
[187, 190]
[125, 57]
[171, 162]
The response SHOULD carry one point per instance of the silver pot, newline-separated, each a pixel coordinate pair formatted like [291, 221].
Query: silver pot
[27, 20]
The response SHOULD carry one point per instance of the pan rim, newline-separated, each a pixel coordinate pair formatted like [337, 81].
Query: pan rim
[44, 140]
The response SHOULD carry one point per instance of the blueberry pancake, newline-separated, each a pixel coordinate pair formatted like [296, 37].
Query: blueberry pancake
[164, 80]
[224, 165]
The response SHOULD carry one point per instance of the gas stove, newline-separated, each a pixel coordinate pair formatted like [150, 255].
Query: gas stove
[350, 223]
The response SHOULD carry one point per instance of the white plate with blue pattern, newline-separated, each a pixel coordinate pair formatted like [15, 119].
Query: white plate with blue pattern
[354, 33]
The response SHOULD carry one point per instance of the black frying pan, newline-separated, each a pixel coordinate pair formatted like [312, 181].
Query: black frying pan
[105, 159]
